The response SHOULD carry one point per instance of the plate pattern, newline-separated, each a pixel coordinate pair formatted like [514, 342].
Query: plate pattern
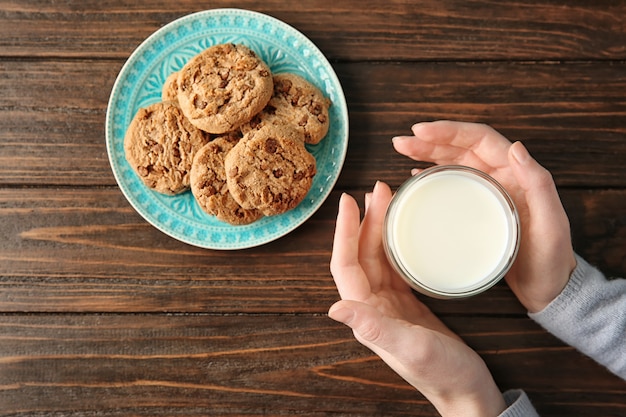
[139, 84]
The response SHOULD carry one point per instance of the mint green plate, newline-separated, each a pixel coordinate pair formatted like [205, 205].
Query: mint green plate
[139, 84]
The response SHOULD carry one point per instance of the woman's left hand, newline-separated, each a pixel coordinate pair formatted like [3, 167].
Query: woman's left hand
[386, 317]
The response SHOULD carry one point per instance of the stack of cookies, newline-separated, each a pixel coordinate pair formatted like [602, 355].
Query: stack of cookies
[233, 132]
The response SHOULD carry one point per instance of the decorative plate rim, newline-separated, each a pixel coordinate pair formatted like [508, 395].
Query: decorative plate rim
[286, 49]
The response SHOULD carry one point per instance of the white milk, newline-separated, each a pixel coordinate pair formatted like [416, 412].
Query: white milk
[451, 231]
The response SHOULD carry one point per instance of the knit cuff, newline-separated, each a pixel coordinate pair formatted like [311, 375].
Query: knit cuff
[571, 291]
[518, 405]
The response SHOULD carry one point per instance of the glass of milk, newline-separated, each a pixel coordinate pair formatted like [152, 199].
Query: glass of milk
[451, 231]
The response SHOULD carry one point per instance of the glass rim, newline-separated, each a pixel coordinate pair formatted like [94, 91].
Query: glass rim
[488, 281]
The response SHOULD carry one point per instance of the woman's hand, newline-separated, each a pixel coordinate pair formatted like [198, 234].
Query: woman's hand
[386, 317]
[546, 258]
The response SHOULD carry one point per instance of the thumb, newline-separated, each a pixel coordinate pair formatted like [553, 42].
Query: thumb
[382, 334]
[547, 246]
[540, 194]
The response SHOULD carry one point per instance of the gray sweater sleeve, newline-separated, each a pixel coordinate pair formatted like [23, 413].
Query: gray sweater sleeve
[590, 315]
[518, 405]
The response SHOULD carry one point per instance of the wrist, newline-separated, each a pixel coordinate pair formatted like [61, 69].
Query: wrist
[552, 288]
[480, 405]
[485, 401]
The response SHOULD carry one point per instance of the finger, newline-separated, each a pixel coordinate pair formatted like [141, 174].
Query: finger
[424, 150]
[371, 252]
[371, 232]
[349, 277]
[479, 138]
[368, 198]
[447, 142]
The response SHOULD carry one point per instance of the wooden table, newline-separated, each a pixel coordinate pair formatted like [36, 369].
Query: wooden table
[101, 314]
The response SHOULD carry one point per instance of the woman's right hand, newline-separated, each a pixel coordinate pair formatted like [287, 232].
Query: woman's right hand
[546, 258]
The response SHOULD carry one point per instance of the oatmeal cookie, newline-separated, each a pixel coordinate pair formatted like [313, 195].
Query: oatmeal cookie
[223, 87]
[160, 144]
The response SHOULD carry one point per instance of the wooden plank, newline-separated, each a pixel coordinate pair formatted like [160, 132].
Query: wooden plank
[565, 114]
[570, 116]
[352, 30]
[86, 250]
[193, 365]
[52, 116]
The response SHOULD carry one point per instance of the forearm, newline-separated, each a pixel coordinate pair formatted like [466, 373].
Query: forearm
[590, 315]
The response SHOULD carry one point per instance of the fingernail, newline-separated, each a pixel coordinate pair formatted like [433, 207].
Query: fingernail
[342, 315]
[399, 139]
[417, 126]
[368, 198]
[520, 153]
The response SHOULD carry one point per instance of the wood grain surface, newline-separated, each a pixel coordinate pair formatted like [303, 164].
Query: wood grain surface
[101, 314]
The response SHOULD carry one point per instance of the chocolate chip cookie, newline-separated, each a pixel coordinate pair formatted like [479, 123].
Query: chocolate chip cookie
[223, 87]
[297, 103]
[160, 144]
[270, 170]
[208, 183]
[169, 91]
